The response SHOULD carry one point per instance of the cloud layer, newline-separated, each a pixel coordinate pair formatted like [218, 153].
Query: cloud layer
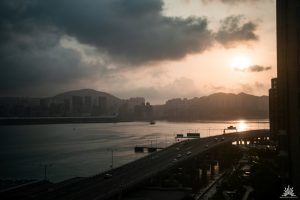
[133, 31]
[130, 33]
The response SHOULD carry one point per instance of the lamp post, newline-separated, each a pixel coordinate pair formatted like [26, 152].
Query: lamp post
[45, 166]
[112, 157]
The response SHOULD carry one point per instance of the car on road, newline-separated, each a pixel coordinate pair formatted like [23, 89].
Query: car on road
[188, 153]
[184, 143]
[206, 146]
[179, 155]
[107, 176]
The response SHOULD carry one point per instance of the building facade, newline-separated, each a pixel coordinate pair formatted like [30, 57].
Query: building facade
[288, 72]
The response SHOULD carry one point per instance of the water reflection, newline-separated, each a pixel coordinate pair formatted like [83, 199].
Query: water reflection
[242, 126]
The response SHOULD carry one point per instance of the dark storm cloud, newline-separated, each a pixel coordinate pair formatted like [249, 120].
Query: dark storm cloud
[255, 68]
[23, 67]
[131, 32]
[233, 31]
[31, 54]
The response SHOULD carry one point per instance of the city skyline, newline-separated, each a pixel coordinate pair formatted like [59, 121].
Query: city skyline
[155, 49]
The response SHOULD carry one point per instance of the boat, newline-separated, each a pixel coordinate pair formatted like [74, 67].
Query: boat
[231, 128]
[152, 122]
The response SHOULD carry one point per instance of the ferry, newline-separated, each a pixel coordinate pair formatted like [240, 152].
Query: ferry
[152, 122]
[231, 128]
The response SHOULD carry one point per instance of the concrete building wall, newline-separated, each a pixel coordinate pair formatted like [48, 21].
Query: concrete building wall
[288, 63]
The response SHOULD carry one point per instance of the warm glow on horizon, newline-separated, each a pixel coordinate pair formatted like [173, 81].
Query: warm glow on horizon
[240, 62]
[242, 126]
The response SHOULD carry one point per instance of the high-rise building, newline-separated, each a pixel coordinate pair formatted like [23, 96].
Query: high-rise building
[67, 105]
[87, 104]
[88, 101]
[273, 109]
[102, 104]
[288, 72]
[77, 104]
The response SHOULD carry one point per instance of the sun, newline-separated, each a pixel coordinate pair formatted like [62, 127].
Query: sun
[240, 62]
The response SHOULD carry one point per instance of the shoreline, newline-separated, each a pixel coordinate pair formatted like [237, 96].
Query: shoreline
[55, 120]
[105, 119]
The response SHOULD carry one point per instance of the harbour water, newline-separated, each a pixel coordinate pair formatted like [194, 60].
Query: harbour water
[80, 150]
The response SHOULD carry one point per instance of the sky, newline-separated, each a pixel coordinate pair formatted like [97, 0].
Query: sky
[157, 49]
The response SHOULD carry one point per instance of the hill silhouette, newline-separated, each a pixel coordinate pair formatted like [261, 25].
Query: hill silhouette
[85, 92]
[89, 102]
[215, 106]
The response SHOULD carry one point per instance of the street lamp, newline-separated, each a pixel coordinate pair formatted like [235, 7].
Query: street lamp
[45, 166]
[112, 157]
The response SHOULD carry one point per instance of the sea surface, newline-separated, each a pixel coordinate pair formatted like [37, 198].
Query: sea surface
[80, 150]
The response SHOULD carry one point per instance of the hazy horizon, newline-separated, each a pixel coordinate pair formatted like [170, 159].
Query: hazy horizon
[159, 103]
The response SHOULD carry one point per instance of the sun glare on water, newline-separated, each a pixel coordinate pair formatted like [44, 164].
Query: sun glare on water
[240, 62]
[242, 126]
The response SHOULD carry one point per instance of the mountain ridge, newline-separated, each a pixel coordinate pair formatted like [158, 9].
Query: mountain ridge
[215, 106]
[83, 92]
